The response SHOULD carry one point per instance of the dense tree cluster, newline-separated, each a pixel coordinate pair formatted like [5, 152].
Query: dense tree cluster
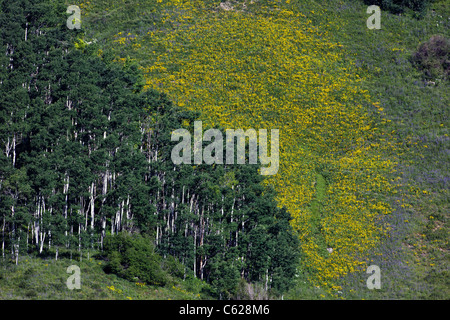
[399, 6]
[85, 156]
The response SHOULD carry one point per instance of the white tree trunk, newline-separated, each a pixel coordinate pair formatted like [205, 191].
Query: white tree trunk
[3, 238]
[92, 205]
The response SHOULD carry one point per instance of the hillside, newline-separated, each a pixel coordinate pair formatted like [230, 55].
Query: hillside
[46, 279]
[363, 169]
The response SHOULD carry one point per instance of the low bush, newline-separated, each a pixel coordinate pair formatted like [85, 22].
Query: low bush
[133, 257]
[433, 58]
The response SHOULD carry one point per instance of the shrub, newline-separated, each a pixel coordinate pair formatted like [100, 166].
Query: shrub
[133, 256]
[173, 267]
[433, 59]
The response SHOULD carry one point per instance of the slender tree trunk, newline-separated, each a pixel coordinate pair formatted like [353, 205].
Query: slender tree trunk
[14, 151]
[41, 233]
[13, 235]
[28, 229]
[202, 235]
[42, 239]
[195, 251]
[104, 191]
[232, 213]
[267, 279]
[3, 238]
[83, 213]
[92, 205]
[16, 248]
[36, 223]
[79, 239]
[173, 214]
[66, 200]
[194, 227]
[128, 212]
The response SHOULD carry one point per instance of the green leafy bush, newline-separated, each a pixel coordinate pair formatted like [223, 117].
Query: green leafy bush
[172, 266]
[433, 58]
[133, 256]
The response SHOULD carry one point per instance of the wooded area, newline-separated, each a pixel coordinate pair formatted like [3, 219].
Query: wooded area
[86, 154]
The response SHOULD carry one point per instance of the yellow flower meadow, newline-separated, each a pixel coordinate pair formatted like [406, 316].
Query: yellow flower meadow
[274, 69]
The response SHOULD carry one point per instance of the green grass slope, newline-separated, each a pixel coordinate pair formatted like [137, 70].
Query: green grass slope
[39, 278]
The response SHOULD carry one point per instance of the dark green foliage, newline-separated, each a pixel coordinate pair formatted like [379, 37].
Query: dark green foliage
[172, 266]
[399, 6]
[433, 58]
[133, 257]
[225, 278]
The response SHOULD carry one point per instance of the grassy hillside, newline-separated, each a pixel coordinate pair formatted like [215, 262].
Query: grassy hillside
[364, 148]
[46, 278]
[415, 258]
